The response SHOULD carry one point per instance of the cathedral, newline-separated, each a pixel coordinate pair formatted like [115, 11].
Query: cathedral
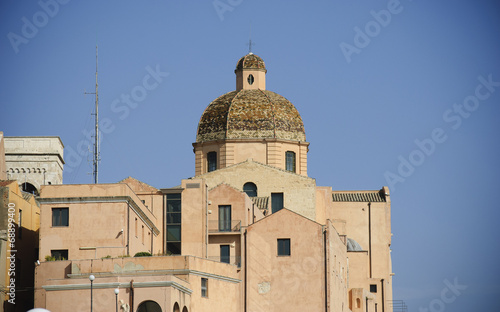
[251, 231]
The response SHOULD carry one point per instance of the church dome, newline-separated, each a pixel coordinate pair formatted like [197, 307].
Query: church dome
[250, 61]
[250, 114]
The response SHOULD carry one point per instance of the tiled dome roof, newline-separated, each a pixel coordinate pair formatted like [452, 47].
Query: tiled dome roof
[250, 114]
[250, 61]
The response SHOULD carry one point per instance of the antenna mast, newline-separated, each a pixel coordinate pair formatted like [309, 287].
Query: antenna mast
[96, 158]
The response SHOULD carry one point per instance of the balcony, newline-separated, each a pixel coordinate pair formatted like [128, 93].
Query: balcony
[234, 260]
[224, 226]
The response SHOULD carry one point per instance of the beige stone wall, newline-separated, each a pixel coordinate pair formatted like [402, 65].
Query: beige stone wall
[299, 192]
[97, 216]
[285, 283]
[194, 212]
[357, 218]
[178, 281]
[337, 270]
[266, 151]
[37, 160]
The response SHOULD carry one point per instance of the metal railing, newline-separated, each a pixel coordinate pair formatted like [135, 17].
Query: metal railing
[234, 260]
[398, 306]
[222, 226]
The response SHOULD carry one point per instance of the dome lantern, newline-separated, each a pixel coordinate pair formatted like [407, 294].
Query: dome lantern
[250, 73]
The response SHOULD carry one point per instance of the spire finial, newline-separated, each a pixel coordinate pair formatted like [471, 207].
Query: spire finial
[250, 43]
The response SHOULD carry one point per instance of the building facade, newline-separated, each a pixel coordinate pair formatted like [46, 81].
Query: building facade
[251, 231]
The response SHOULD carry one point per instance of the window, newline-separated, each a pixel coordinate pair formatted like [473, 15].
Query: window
[251, 189]
[173, 222]
[250, 79]
[224, 254]
[290, 161]
[373, 288]
[60, 217]
[225, 218]
[283, 246]
[276, 202]
[212, 161]
[150, 306]
[61, 254]
[204, 287]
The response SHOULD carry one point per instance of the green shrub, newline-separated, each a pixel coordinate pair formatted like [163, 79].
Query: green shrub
[50, 258]
[143, 254]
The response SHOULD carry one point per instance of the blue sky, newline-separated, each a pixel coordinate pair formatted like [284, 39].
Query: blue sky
[404, 94]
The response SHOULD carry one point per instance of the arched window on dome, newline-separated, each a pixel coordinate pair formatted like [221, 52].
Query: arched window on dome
[290, 161]
[251, 189]
[211, 161]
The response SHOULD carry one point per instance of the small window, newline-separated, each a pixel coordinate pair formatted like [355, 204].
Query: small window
[204, 287]
[283, 246]
[60, 217]
[225, 254]
[290, 161]
[250, 79]
[373, 288]
[276, 202]
[251, 189]
[61, 254]
[212, 161]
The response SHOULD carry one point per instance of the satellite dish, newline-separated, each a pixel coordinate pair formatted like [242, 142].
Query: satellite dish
[38, 310]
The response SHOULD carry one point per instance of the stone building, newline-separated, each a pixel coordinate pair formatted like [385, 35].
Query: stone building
[34, 161]
[251, 231]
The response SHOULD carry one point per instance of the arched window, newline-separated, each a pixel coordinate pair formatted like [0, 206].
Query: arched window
[251, 189]
[29, 188]
[211, 161]
[150, 306]
[185, 309]
[177, 308]
[358, 303]
[290, 161]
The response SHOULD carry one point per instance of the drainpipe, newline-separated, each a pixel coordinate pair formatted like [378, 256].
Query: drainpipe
[326, 268]
[132, 295]
[206, 221]
[383, 299]
[128, 229]
[246, 278]
[370, 235]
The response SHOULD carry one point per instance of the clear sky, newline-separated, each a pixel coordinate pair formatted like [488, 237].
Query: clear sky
[404, 94]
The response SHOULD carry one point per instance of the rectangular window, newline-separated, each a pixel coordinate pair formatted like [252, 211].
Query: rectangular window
[211, 161]
[283, 246]
[373, 288]
[204, 287]
[136, 231]
[290, 161]
[225, 218]
[173, 223]
[60, 216]
[224, 254]
[60, 254]
[276, 202]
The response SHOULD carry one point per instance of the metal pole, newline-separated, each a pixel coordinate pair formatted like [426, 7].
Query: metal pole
[91, 278]
[117, 291]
